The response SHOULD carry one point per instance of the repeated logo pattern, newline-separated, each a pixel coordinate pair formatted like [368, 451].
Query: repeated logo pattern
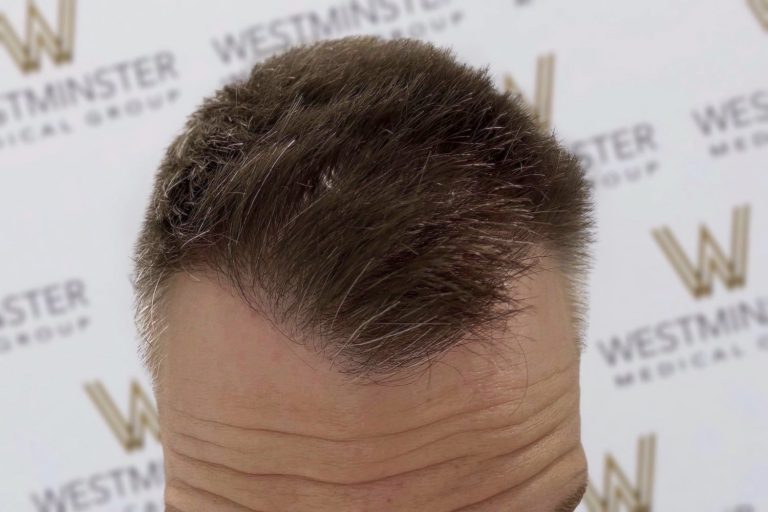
[712, 260]
[623, 148]
[544, 89]
[39, 37]
[619, 492]
[130, 429]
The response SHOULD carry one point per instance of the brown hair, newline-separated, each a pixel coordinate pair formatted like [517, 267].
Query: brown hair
[374, 198]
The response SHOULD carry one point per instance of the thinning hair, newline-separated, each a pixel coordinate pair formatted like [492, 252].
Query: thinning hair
[376, 199]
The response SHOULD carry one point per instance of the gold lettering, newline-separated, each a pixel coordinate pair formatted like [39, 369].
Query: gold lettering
[541, 106]
[619, 494]
[40, 37]
[142, 416]
[712, 260]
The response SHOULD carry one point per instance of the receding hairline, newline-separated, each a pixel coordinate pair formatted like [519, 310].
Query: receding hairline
[153, 347]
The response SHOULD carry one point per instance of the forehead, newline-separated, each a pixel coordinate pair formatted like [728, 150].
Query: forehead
[229, 373]
[246, 357]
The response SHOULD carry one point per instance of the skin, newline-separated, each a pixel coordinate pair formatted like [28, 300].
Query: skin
[254, 422]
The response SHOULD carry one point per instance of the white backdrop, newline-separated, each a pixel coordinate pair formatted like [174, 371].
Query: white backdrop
[665, 102]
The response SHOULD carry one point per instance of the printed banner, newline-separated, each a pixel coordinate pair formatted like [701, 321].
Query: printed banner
[665, 103]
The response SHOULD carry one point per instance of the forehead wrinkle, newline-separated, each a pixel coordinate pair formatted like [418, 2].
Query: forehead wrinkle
[353, 463]
[529, 409]
[524, 407]
[463, 437]
[343, 437]
[344, 417]
[190, 497]
[471, 475]
[507, 468]
[492, 503]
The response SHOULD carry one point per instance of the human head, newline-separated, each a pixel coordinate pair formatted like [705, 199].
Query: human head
[359, 284]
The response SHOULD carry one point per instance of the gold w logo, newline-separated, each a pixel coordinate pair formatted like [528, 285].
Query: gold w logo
[711, 257]
[760, 8]
[619, 494]
[142, 415]
[39, 37]
[543, 93]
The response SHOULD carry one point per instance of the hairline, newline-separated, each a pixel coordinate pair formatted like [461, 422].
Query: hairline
[152, 314]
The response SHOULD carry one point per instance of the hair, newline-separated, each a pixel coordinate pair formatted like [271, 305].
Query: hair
[376, 199]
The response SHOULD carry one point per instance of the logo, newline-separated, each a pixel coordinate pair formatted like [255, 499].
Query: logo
[390, 19]
[39, 37]
[620, 156]
[37, 316]
[543, 92]
[734, 125]
[109, 93]
[619, 493]
[712, 260]
[130, 431]
[700, 339]
[760, 8]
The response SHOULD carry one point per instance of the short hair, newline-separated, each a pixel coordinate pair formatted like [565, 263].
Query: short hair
[375, 199]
